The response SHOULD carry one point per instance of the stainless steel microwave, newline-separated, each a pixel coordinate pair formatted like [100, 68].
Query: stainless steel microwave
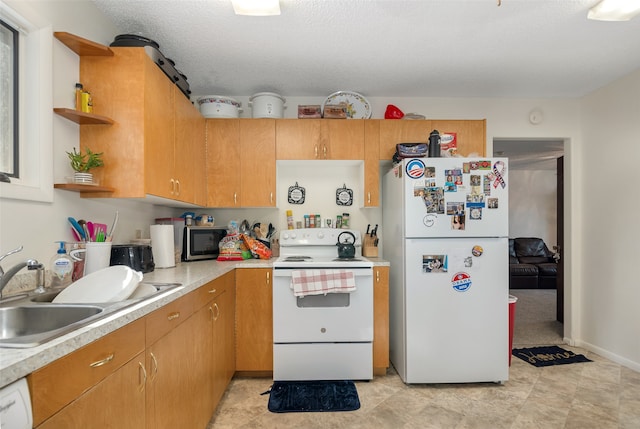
[201, 242]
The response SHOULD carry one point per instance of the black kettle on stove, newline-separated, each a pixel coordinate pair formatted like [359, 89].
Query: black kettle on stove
[346, 249]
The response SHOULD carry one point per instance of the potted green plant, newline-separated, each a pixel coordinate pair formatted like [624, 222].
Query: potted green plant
[83, 162]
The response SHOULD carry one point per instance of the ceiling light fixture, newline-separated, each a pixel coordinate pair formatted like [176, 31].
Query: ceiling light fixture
[614, 10]
[256, 7]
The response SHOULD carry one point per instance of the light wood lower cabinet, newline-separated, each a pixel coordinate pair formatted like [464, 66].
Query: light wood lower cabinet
[79, 390]
[116, 402]
[254, 320]
[380, 320]
[216, 332]
[166, 370]
[170, 368]
[172, 362]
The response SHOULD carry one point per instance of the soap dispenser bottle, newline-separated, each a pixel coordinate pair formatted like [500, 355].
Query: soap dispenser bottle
[61, 267]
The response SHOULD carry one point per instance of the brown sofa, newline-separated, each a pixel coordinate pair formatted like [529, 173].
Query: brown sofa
[531, 264]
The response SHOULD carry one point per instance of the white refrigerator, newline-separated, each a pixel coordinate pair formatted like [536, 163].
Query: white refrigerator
[445, 233]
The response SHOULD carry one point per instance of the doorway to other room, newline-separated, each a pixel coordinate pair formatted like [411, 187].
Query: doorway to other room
[536, 210]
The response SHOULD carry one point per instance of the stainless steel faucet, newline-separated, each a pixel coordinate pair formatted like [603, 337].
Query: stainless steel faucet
[31, 264]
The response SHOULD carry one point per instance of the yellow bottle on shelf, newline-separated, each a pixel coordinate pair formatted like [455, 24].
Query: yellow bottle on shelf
[87, 102]
[79, 96]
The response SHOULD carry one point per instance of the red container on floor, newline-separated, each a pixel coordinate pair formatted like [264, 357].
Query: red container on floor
[512, 314]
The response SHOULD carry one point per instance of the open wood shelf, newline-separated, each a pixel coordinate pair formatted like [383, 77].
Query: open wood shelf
[83, 47]
[79, 187]
[82, 118]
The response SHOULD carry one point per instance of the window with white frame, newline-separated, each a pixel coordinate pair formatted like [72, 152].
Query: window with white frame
[26, 148]
[9, 153]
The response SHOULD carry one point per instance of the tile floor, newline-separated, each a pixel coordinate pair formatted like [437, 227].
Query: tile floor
[599, 395]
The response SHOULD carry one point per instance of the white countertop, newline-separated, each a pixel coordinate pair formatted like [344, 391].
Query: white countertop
[17, 363]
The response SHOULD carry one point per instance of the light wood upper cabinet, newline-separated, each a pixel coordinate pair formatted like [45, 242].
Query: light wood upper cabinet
[223, 159]
[189, 151]
[254, 320]
[159, 135]
[396, 131]
[319, 139]
[241, 162]
[371, 163]
[258, 163]
[299, 139]
[152, 145]
[471, 134]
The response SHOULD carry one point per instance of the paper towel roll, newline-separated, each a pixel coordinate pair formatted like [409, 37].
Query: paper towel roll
[162, 245]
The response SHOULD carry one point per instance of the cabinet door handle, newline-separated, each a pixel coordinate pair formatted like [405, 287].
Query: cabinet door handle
[271, 197]
[315, 151]
[268, 277]
[177, 187]
[101, 362]
[213, 317]
[155, 364]
[173, 186]
[368, 197]
[216, 314]
[235, 198]
[172, 316]
[324, 151]
[377, 276]
[143, 382]
[213, 291]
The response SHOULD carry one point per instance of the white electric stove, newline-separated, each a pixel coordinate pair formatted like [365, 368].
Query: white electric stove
[327, 336]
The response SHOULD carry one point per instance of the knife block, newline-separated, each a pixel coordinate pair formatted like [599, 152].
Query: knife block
[369, 249]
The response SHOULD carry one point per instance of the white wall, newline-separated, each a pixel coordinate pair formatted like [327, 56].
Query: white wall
[609, 296]
[601, 299]
[532, 205]
[36, 225]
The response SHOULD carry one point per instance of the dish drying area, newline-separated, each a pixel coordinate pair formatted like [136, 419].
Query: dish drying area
[34, 318]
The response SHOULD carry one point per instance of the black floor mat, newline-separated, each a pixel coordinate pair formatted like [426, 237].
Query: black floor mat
[547, 356]
[318, 396]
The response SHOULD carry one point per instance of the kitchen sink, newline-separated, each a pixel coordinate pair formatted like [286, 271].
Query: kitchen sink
[29, 320]
[31, 324]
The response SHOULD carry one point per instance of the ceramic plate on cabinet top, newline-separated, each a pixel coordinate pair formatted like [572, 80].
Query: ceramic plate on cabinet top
[358, 106]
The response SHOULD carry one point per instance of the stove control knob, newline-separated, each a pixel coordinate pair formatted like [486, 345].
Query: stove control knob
[285, 236]
[320, 234]
[293, 236]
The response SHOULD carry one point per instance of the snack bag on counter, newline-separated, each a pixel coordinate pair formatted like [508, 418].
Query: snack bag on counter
[233, 248]
[258, 249]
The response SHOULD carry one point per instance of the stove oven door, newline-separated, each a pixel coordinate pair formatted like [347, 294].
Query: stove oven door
[334, 317]
[323, 337]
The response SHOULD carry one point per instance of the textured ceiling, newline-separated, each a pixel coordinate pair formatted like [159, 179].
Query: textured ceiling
[388, 48]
